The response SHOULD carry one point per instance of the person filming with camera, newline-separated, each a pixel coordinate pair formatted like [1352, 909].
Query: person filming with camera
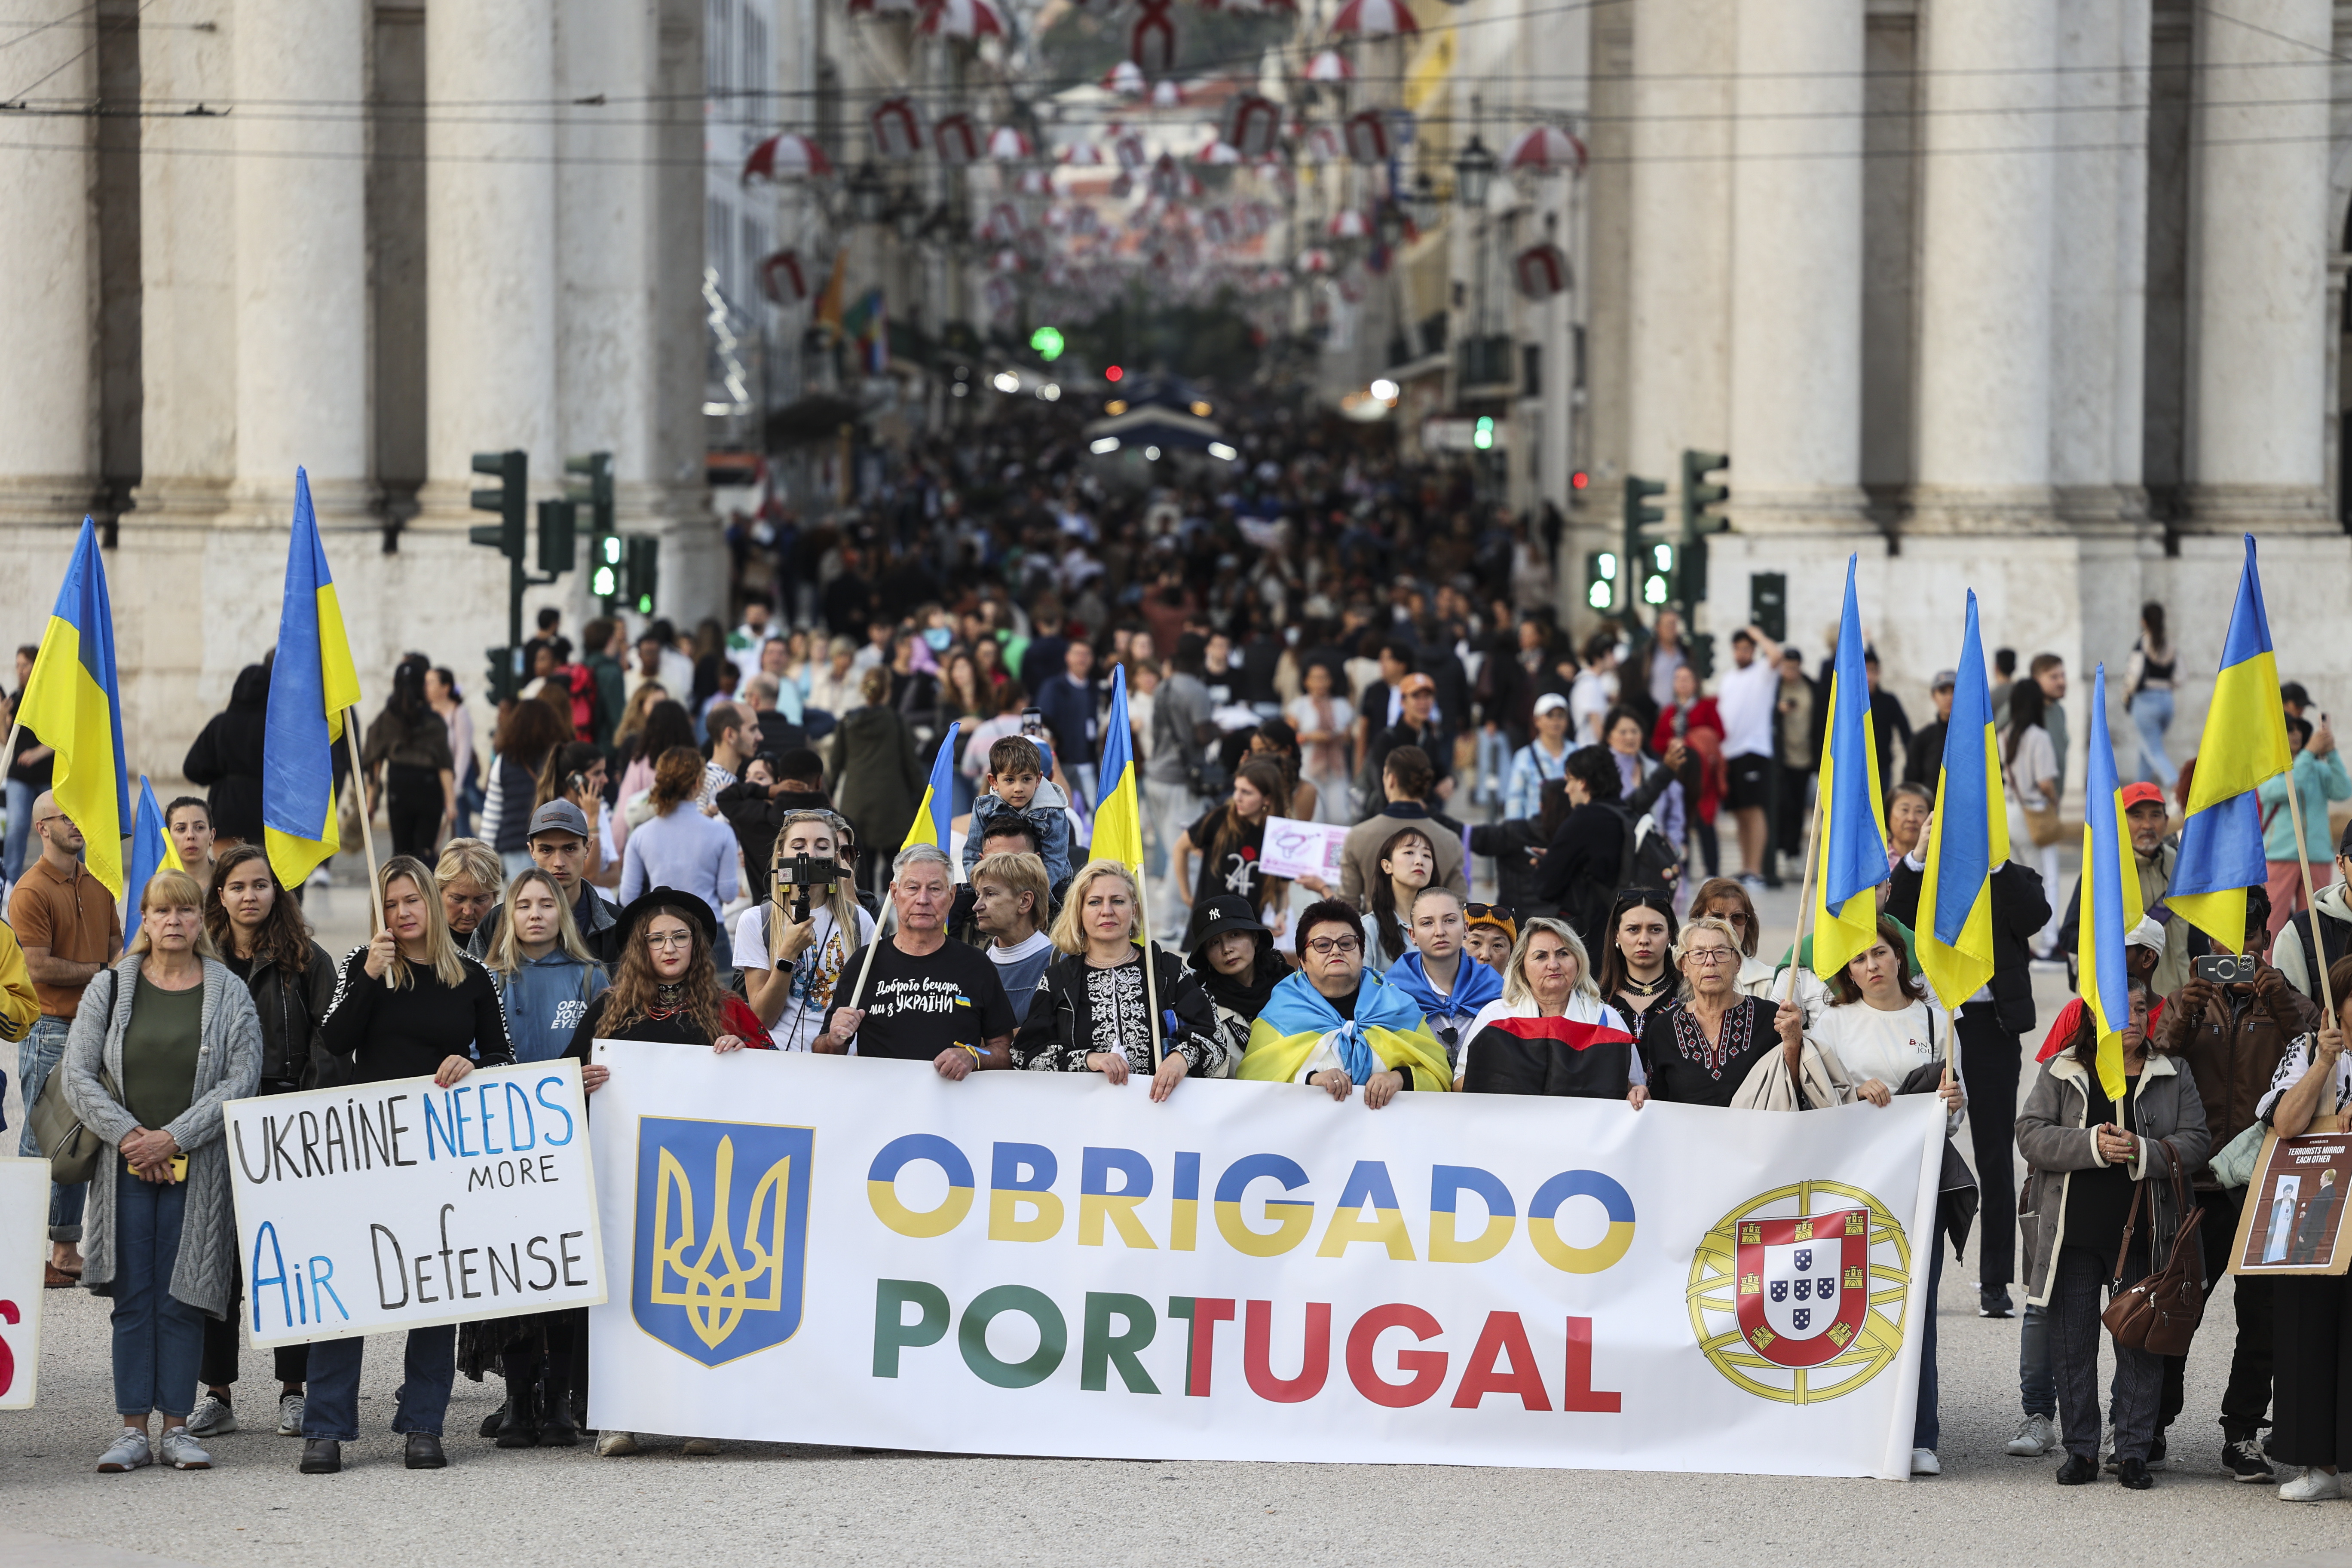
[790, 946]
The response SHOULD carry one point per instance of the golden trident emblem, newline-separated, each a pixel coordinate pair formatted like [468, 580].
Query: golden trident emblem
[715, 1302]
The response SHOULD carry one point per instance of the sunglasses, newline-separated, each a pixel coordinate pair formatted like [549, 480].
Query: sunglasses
[1487, 911]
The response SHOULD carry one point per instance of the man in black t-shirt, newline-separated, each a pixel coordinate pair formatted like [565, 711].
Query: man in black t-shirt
[925, 998]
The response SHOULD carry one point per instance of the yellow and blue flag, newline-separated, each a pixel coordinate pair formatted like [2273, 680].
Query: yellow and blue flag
[2245, 742]
[313, 682]
[74, 703]
[1969, 838]
[932, 817]
[1119, 808]
[2112, 905]
[1386, 1030]
[1853, 832]
[151, 851]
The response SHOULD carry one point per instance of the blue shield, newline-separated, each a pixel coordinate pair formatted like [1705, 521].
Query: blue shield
[722, 1235]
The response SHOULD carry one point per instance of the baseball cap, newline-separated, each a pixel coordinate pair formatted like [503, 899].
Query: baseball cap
[1946, 680]
[1550, 702]
[2142, 793]
[2147, 935]
[558, 816]
[1225, 912]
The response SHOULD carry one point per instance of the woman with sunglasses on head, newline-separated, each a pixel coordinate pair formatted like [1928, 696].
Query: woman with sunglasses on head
[1637, 973]
[665, 990]
[1701, 1052]
[260, 934]
[1727, 900]
[409, 1004]
[1549, 1032]
[1490, 933]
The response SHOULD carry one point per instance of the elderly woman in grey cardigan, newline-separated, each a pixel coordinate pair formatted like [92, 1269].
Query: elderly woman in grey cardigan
[162, 1042]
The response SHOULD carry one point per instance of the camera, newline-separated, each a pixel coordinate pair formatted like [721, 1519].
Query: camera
[2225, 968]
[808, 877]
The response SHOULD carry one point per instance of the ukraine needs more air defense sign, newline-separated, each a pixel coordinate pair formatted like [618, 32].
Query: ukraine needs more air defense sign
[402, 1204]
[832, 1250]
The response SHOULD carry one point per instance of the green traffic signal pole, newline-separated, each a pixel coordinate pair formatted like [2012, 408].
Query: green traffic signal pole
[1639, 517]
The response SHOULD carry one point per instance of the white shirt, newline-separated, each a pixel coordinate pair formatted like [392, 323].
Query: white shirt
[2036, 760]
[1886, 1045]
[1745, 696]
[815, 974]
[1589, 698]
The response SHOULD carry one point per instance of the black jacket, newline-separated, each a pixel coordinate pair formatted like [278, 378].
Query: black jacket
[227, 757]
[1579, 874]
[756, 816]
[1433, 741]
[290, 1006]
[1923, 755]
[2021, 907]
[1516, 870]
[1058, 1032]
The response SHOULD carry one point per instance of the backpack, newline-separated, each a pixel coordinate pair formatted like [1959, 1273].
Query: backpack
[1646, 859]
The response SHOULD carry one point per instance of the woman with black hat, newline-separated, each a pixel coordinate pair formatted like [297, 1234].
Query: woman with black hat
[1233, 958]
[1093, 1013]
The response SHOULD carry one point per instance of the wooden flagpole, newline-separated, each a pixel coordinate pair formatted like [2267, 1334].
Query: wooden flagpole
[1804, 900]
[2311, 903]
[367, 828]
[1151, 981]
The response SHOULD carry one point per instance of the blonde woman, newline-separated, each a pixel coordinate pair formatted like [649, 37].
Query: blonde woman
[467, 881]
[546, 975]
[791, 966]
[407, 1005]
[1549, 1032]
[1092, 1013]
[176, 1030]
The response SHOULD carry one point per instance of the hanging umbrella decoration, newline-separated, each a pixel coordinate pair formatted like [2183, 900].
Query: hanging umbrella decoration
[1217, 153]
[786, 156]
[1541, 272]
[1331, 64]
[1125, 78]
[1151, 40]
[1367, 135]
[1011, 144]
[1252, 125]
[898, 129]
[782, 278]
[967, 19]
[1168, 94]
[1348, 222]
[1083, 155]
[956, 139]
[1374, 19]
[1545, 150]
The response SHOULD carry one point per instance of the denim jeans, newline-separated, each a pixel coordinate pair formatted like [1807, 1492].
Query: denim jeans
[37, 1057]
[158, 1339]
[2037, 1386]
[20, 828]
[1926, 1430]
[2151, 714]
[332, 1407]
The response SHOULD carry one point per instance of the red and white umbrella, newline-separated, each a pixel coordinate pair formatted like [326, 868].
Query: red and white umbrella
[898, 129]
[786, 156]
[1034, 182]
[1331, 64]
[1541, 272]
[1252, 124]
[962, 20]
[1374, 19]
[1217, 153]
[1169, 93]
[1010, 144]
[956, 139]
[1125, 78]
[1006, 260]
[1324, 144]
[1348, 222]
[782, 279]
[1367, 132]
[1002, 224]
[1545, 150]
[1315, 260]
[1084, 155]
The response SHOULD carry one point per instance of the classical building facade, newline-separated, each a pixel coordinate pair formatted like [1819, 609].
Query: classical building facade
[242, 235]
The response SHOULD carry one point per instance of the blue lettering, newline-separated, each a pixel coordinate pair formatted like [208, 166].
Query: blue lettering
[457, 1106]
[320, 1282]
[516, 1096]
[436, 1126]
[286, 1307]
[542, 1096]
[483, 1093]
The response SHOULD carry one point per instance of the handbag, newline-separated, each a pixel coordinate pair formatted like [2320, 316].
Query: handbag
[2159, 1312]
[2041, 826]
[73, 1150]
[2234, 1166]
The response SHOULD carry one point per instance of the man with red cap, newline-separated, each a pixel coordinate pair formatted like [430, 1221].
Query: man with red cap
[2155, 852]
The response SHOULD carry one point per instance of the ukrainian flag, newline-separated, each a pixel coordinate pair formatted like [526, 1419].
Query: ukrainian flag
[1970, 837]
[1387, 1031]
[74, 703]
[931, 817]
[2111, 896]
[313, 682]
[2244, 743]
[1119, 809]
[151, 851]
[1853, 832]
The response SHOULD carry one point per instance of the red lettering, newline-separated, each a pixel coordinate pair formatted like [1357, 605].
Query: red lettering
[1257, 1331]
[1428, 1367]
[1201, 1352]
[1579, 1394]
[1504, 1332]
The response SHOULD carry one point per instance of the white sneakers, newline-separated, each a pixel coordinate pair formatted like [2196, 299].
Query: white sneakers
[1924, 1462]
[2036, 1435]
[289, 1416]
[212, 1416]
[2308, 1484]
[183, 1452]
[128, 1451]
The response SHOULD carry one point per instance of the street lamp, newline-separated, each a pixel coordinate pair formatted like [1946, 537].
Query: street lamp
[1474, 172]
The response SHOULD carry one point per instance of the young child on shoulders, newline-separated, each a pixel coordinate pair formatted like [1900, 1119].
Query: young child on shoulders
[1016, 785]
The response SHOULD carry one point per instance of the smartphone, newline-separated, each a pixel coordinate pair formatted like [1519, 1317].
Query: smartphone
[1032, 723]
[2225, 968]
[179, 1167]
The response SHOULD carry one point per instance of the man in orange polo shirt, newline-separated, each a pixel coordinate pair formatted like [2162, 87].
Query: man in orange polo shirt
[67, 924]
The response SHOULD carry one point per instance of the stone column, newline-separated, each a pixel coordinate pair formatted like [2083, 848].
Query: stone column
[1796, 326]
[300, 222]
[1680, 349]
[1984, 366]
[2258, 271]
[49, 288]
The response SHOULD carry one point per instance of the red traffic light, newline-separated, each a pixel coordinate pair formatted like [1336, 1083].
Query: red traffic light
[1112, 373]
[1579, 480]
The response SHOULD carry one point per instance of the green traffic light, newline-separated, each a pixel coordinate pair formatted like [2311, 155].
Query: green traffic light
[1048, 343]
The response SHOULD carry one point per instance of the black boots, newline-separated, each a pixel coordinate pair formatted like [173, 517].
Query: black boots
[321, 1456]
[520, 1429]
[424, 1452]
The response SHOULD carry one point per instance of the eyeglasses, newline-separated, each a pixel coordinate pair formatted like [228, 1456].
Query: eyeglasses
[1710, 956]
[1325, 946]
[669, 939]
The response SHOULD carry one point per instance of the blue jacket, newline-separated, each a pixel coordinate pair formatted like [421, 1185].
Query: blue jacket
[545, 1001]
[1069, 709]
[1050, 823]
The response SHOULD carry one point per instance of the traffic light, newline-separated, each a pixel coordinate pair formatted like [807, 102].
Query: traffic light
[641, 572]
[1601, 579]
[1698, 493]
[1643, 566]
[559, 536]
[1699, 648]
[1048, 343]
[1483, 436]
[605, 580]
[511, 501]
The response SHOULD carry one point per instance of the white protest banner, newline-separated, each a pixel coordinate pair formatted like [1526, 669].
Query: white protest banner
[401, 1205]
[1294, 849]
[1253, 1271]
[23, 1252]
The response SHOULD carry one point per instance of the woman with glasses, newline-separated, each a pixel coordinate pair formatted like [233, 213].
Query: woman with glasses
[1549, 1032]
[665, 990]
[1727, 900]
[1334, 1026]
[1092, 1012]
[1701, 1052]
[1637, 976]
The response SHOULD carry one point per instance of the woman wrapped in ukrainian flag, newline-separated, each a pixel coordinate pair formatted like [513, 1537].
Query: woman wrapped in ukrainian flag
[1332, 1025]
